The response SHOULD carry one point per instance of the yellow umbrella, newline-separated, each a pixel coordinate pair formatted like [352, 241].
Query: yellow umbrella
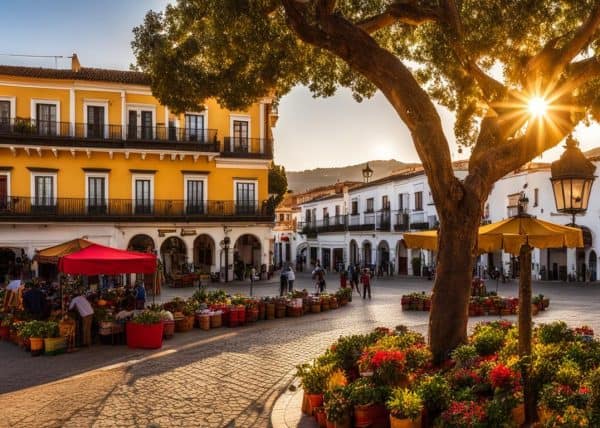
[52, 254]
[509, 235]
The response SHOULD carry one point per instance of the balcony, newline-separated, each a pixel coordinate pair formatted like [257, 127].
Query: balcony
[86, 135]
[368, 222]
[25, 208]
[308, 228]
[384, 220]
[332, 224]
[252, 148]
[51, 133]
[402, 223]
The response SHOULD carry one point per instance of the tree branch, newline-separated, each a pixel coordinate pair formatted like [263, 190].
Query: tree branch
[405, 12]
[547, 66]
[491, 88]
[578, 74]
[362, 53]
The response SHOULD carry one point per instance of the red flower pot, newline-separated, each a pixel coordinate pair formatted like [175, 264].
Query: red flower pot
[372, 415]
[4, 333]
[321, 417]
[146, 336]
[315, 400]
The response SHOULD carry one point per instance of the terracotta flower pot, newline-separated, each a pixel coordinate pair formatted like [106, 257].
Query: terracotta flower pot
[321, 417]
[315, 400]
[36, 345]
[518, 414]
[372, 415]
[404, 423]
[168, 329]
[4, 333]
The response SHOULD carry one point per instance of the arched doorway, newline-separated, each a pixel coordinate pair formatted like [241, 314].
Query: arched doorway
[367, 258]
[204, 253]
[246, 254]
[174, 256]
[383, 257]
[141, 243]
[301, 257]
[402, 254]
[7, 263]
[353, 252]
[592, 265]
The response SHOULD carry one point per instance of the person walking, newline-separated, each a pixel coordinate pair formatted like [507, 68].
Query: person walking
[283, 282]
[365, 279]
[291, 277]
[86, 312]
[355, 278]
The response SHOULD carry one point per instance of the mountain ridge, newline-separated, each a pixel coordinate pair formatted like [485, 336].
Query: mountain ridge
[300, 181]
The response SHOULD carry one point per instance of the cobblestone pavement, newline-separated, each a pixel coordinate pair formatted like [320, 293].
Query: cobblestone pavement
[221, 378]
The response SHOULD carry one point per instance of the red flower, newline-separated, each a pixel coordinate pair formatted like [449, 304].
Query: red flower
[501, 377]
[395, 357]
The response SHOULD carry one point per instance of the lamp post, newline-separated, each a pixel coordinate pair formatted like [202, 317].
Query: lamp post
[367, 173]
[572, 177]
[224, 244]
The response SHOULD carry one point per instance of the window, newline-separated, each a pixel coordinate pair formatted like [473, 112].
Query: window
[44, 195]
[95, 121]
[4, 189]
[418, 201]
[337, 211]
[140, 124]
[143, 195]
[325, 212]
[536, 196]
[194, 196]
[245, 197]
[385, 203]
[403, 202]
[369, 205]
[240, 135]
[308, 216]
[354, 205]
[96, 194]
[46, 119]
[281, 217]
[194, 127]
[4, 113]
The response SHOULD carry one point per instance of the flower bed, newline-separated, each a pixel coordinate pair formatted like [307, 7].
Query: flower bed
[490, 304]
[386, 378]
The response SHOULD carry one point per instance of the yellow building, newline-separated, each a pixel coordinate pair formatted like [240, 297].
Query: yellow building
[90, 152]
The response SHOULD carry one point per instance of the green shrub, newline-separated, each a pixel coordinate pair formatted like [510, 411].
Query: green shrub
[313, 377]
[147, 318]
[405, 404]
[363, 392]
[593, 405]
[568, 374]
[435, 393]
[488, 340]
[555, 332]
[464, 355]
[337, 404]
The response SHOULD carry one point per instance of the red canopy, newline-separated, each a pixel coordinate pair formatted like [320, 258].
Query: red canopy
[98, 259]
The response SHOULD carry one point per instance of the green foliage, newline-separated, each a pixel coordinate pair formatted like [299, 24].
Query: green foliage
[313, 377]
[363, 392]
[435, 392]
[593, 383]
[488, 340]
[568, 374]
[405, 404]
[347, 349]
[555, 332]
[42, 329]
[147, 317]
[337, 404]
[464, 355]
[277, 183]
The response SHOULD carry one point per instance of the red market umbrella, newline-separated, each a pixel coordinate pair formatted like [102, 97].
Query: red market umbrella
[98, 259]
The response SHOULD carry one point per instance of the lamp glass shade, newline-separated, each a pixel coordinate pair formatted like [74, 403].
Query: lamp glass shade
[572, 195]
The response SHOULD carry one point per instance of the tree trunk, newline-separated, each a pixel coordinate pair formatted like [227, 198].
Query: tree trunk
[525, 324]
[452, 288]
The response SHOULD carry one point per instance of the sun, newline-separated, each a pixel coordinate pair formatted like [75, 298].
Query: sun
[537, 106]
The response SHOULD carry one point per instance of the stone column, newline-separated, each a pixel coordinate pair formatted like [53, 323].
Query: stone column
[572, 263]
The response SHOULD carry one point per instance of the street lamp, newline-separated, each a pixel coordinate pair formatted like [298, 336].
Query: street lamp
[367, 173]
[224, 244]
[572, 177]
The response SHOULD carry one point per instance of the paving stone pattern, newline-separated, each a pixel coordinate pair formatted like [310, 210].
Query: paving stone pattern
[222, 378]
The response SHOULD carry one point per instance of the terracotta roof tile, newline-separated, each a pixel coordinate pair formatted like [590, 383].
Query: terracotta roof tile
[85, 73]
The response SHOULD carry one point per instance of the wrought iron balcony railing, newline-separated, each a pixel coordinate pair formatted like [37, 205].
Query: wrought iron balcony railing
[261, 148]
[24, 208]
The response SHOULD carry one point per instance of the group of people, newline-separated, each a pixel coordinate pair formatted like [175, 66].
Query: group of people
[357, 276]
[286, 280]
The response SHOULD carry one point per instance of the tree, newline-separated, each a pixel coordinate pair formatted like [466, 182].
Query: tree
[277, 183]
[483, 60]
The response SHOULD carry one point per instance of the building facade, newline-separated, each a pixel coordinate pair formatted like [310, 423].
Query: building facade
[363, 224]
[92, 153]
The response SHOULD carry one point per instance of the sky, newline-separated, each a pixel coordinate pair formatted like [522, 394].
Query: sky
[310, 133]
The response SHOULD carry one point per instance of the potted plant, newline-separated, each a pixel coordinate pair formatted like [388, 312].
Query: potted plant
[145, 330]
[405, 408]
[338, 408]
[436, 394]
[53, 343]
[5, 324]
[313, 378]
[168, 323]
[34, 332]
[368, 400]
